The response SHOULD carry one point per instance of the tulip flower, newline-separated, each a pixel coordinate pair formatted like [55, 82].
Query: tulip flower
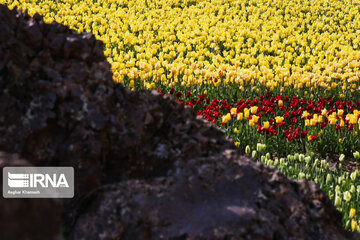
[347, 196]
[352, 212]
[354, 225]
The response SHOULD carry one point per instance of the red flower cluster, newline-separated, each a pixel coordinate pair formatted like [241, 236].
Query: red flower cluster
[269, 107]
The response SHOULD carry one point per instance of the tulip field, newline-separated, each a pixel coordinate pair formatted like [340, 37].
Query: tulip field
[281, 78]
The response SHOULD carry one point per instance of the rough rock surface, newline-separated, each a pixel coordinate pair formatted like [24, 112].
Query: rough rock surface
[145, 167]
[38, 219]
[220, 197]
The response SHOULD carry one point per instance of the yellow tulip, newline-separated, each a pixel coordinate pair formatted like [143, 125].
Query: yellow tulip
[255, 118]
[246, 113]
[226, 118]
[279, 119]
[332, 120]
[352, 212]
[305, 114]
[251, 123]
[254, 109]
[342, 123]
[233, 111]
[131, 85]
[354, 225]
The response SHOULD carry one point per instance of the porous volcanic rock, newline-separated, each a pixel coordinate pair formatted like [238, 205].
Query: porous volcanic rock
[145, 167]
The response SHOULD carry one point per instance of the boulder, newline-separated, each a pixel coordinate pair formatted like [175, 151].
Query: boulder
[225, 196]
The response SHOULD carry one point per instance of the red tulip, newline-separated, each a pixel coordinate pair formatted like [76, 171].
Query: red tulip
[313, 138]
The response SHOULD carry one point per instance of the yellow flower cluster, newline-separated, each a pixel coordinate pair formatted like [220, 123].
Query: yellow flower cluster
[226, 118]
[333, 118]
[313, 44]
[353, 118]
[354, 223]
[314, 120]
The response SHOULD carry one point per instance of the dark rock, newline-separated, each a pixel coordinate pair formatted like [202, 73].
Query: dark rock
[220, 197]
[145, 167]
[104, 131]
[30, 218]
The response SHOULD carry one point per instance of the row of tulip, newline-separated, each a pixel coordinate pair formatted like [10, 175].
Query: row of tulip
[286, 124]
[343, 188]
[282, 46]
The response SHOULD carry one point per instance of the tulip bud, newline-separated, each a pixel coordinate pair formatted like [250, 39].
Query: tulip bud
[323, 163]
[259, 147]
[354, 175]
[340, 179]
[328, 178]
[253, 154]
[347, 224]
[276, 162]
[337, 200]
[347, 196]
[356, 155]
[342, 157]
[352, 189]
[247, 149]
[337, 189]
[316, 162]
[307, 159]
[296, 156]
[301, 157]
